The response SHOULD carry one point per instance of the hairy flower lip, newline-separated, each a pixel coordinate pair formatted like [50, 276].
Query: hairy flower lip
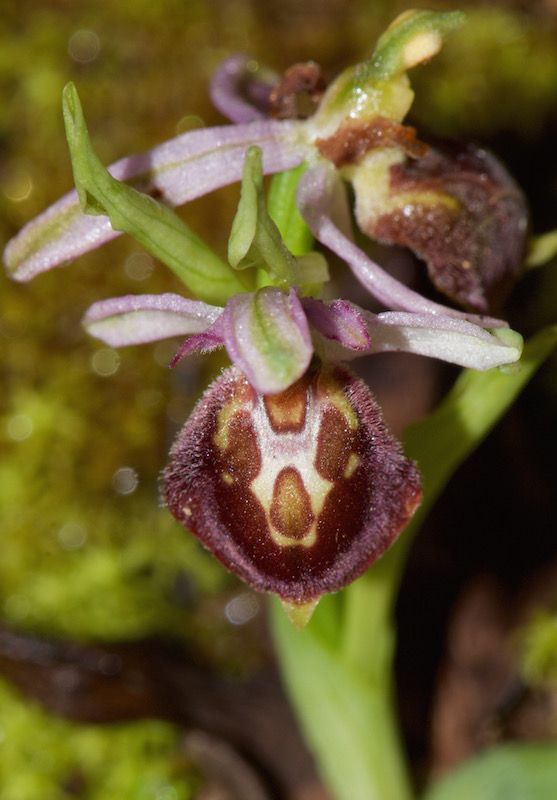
[216, 508]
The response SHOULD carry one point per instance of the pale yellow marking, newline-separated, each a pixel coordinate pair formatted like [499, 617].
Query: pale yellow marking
[374, 169]
[224, 418]
[299, 614]
[421, 48]
[288, 541]
[336, 397]
[187, 511]
[289, 501]
[352, 466]
[298, 449]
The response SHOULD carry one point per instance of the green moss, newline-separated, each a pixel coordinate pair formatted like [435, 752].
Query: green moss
[47, 758]
[499, 63]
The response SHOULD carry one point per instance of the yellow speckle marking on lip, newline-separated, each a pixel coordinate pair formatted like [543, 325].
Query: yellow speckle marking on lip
[336, 396]
[227, 478]
[352, 466]
[187, 511]
[224, 418]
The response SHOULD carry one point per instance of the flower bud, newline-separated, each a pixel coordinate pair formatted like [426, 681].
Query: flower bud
[298, 492]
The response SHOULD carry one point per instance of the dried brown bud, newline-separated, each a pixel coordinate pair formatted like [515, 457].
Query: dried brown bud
[299, 91]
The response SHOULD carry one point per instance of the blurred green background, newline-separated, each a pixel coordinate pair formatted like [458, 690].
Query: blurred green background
[86, 553]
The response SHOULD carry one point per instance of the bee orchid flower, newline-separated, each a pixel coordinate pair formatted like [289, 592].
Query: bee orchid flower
[285, 470]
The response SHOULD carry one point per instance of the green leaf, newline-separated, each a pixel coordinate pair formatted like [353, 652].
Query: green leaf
[509, 772]
[284, 211]
[255, 239]
[347, 720]
[541, 249]
[153, 225]
[477, 401]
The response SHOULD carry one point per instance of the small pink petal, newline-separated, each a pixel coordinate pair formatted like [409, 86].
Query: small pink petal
[339, 321]
[137, 319]
[204, 342]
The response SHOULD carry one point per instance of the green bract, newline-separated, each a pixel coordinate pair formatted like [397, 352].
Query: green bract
[152, 224]
[379, 86]
[255, 240]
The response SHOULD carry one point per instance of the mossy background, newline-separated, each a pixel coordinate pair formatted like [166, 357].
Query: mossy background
[86, 552]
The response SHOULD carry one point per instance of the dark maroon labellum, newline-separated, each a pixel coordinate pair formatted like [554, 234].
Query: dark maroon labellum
[297, 493]
[462, 213]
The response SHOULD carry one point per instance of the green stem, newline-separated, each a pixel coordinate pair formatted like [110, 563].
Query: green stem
[346, 717]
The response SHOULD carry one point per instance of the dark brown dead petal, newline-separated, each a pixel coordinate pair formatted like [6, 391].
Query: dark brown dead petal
[298, 93]
[474, 253]
[355, 138]
[296, 497]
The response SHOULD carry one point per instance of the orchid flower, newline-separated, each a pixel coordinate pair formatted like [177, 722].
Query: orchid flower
[285, 470]
[462, 213]
[282, 450]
